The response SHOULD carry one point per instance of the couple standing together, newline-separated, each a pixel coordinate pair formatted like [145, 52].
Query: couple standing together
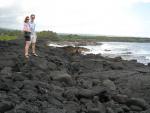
[29, 35]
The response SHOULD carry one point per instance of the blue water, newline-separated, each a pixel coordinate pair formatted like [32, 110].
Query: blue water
[127, 50]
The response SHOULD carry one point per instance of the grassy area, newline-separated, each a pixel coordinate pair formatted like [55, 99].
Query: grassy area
[6, 37]
[6, 34]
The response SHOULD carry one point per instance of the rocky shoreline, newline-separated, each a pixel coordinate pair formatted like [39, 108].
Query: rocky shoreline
[62, 81]
[76, 43]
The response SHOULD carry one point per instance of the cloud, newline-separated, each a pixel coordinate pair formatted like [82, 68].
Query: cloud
[110, 17]
[9, 13]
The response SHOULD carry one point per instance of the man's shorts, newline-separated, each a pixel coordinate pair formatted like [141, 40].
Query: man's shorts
[33, 37]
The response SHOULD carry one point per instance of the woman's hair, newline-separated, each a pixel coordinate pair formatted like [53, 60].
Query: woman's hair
[26, 18]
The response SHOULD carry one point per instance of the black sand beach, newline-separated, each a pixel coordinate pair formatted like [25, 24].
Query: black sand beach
[61, 80]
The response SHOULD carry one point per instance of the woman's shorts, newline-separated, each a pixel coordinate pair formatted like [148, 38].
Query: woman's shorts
[27, 36]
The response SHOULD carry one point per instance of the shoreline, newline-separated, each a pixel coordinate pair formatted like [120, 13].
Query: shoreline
[95, 48]
[62, 80]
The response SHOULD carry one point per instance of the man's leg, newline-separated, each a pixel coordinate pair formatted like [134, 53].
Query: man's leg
[33, 48]
[34, 44]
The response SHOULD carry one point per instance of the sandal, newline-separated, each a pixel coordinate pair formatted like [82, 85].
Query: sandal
[34, 54]
[27, 56]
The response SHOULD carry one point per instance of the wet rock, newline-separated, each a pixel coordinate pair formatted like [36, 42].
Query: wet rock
[74, 50]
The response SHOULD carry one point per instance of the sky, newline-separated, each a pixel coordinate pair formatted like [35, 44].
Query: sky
[99, 17]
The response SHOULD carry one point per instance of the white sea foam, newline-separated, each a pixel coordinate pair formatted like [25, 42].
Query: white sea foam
[128, 51]
[56, 45]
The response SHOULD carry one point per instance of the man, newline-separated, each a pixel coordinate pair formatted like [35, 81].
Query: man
[33, 34]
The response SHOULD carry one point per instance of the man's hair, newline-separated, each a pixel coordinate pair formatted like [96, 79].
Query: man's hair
[32, 15]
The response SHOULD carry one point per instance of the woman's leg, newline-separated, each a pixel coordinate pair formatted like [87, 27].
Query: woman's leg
[27, 45]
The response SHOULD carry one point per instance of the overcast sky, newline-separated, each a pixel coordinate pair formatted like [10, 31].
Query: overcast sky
[102, 17]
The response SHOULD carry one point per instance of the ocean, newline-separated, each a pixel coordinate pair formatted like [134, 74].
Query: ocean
[127, 50]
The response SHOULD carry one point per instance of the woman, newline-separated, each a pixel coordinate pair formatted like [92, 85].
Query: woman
[27, 35]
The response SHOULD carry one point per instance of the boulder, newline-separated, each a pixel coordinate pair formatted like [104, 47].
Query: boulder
[109, 110]
[71, 106]
[122, 99]
[138, 102]
[5, 106]
[6, 72]
[53, 110]
[135, 108]
[109, 84]
[95, 91]
[61, 76]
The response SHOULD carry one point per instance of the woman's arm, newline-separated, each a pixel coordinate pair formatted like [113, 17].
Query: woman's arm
[26, 28]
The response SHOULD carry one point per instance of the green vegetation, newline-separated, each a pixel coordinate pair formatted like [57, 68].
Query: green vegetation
[48, 34]
[6, 37]
[70, 37]
[6, 34]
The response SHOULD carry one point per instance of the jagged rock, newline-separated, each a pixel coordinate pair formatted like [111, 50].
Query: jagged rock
[135, 108]
[5, 106]
[39, 63]
[138, 102]
[109, 84]
[71, 106]
[61, 76]
[74, 50]
[61, 82]
[125, 108]
[88, 93]
[52, 66]
[120, 98]
[18, 76]
[53, 110]
[119, 110]
[6, 72]
[109, 110]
